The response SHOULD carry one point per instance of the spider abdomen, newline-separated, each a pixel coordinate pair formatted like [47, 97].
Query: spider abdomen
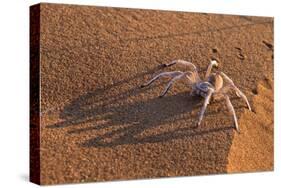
[202, 88]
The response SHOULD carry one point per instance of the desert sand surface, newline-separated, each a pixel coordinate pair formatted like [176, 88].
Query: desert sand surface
[97, 124]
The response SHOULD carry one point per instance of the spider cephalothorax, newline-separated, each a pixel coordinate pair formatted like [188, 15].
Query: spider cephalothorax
[216, 85]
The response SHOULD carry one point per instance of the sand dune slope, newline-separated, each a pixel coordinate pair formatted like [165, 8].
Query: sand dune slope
[252, 150]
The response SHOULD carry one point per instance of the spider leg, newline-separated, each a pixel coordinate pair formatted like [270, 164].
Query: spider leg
[232, 111]
[237, 91]
[206, 102]
[240, 94]
[171, 83]
[210, 66]
[185, 63]
[163, 74]
[237, 94]
[179, 61]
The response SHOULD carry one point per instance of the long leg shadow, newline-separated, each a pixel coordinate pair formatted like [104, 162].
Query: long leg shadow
[122, 120]
[80, 109]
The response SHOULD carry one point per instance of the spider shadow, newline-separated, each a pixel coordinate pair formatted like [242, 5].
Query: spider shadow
[117, 117]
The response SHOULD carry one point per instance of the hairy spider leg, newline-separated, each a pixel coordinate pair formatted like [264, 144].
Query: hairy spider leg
[163, 74]
[238, 92]
[206, 102]
[232, 111]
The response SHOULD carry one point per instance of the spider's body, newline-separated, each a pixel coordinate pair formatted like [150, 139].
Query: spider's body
[216, 85]
[202, 88]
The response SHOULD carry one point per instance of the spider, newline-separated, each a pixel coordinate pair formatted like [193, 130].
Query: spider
[214, 85]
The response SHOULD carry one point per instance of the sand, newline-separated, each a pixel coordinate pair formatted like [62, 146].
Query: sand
[97, 124]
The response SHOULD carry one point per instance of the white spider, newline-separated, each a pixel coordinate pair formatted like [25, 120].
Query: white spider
[211, 86]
